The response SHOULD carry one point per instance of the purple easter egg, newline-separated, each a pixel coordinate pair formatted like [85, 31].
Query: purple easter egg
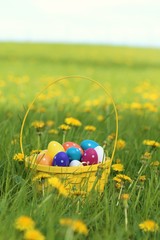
[61, 159]
[89, 157]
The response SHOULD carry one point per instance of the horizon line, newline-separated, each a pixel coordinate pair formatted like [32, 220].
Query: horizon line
[138, 45]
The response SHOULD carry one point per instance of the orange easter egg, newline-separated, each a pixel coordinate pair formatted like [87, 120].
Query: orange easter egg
[67, 145]
[44, 159]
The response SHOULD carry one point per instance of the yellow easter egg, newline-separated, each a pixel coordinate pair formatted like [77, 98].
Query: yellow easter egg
[54, 148]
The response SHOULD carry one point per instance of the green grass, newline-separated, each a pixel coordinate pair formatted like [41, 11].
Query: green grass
[131, 75]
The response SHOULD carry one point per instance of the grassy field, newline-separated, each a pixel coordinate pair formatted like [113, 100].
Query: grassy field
[129, 206]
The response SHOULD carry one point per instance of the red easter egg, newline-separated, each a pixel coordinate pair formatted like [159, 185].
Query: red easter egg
[44, 159]
[89, 157]
[67, 145]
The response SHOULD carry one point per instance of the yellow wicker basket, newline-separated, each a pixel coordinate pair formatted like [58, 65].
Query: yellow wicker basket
[75, 179]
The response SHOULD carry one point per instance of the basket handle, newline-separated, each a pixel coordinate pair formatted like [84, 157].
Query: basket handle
[58, 80]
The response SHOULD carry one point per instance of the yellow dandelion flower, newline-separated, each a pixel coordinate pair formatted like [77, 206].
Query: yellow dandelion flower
[100, 118]
[125, 196]
[80, 227]
[49, 123]
[150, 96]
[118, 185]
[24, 223]
[90, 128]
[18, 157]
[117, 179]
[146, 156]
[73, 122]
[53, 131]
[41, 110]
[95, 102]
[151, 143]
[56, 183]
[123, 177]
[142, 178]
[149, 226]
[136, 106]
[155, 163]
[143, 87]
[76, 99]
[87, 110]
[33, 235]
[42, 97]
[38, 124]
[40, 176]
[121, 144]
[88, 103]
[118, 167]
[111, 136]
[64, 127]
[66, 221]
[150, 107]
[2, 83]
[76, 225]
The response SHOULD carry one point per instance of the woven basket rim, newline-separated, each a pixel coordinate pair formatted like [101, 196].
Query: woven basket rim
[67, 170]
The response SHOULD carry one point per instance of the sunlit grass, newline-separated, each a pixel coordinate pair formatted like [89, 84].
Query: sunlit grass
[129, 206]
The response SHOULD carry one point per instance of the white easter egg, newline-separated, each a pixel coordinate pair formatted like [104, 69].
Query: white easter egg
[100, 152]
[75, 163]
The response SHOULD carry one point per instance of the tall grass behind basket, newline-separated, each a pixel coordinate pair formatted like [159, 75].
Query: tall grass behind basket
[75, 179]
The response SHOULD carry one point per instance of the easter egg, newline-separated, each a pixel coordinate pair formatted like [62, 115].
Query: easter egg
[100, 152]
[67, 145]
[54, 148]
[43, 151]
[75, 163]
[89, 157]
[85, 144]
[74, 153]
[61, 159]
[44, 159]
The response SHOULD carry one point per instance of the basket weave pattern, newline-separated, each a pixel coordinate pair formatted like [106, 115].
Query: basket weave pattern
[83, 178]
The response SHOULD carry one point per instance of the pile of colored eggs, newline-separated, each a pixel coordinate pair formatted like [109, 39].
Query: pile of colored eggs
[71, 154]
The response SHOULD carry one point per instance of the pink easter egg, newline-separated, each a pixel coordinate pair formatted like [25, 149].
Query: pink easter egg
[89, 157]
[67, 145]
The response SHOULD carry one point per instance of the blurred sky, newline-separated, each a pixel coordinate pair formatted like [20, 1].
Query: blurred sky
[120, 22]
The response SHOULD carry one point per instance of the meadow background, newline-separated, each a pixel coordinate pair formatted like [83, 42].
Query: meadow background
[131, 75]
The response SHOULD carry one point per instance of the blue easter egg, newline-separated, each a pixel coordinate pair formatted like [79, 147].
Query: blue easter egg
[61, 159]
[74, 153]
[85, 144]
